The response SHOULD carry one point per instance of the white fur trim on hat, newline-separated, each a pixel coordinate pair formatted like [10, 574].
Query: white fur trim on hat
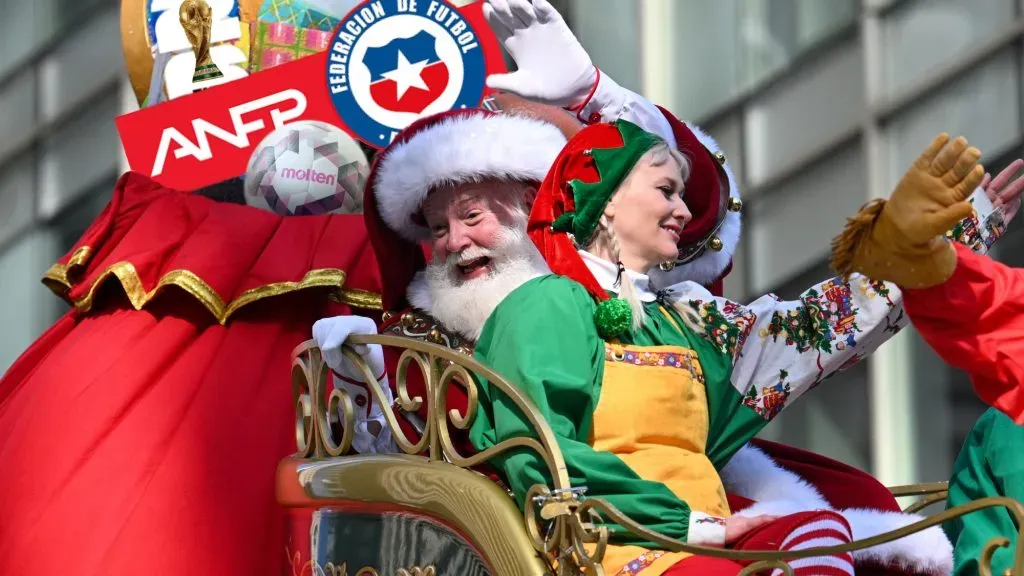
[461, 149]
[710, 265]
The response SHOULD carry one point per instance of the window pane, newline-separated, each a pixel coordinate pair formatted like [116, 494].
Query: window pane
[608, 31]
[17, 112]
[17, 193]
[704, 47]
[818, 104]
[78, 155]
[69, 226]
[984, 106]
[28, 307]
[18, 30]
[26, 25]
[921, 36]
[87, 61]
[791, 227]
[724, 47]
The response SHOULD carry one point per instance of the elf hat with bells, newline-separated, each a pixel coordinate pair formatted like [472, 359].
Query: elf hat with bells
[709, 241]
[572, 199]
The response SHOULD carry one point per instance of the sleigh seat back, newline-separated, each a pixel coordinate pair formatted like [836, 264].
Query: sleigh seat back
[428, 512]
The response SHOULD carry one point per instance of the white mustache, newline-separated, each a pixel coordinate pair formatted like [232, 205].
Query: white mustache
[468, 255]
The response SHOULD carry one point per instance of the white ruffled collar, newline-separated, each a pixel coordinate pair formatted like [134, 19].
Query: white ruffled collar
[605, 273]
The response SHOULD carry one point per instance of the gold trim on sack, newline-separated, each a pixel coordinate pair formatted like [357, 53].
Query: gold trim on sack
[57, 280]
[358, 299]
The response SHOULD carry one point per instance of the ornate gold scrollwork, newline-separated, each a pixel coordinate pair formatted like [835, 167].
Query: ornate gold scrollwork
[342, 570]
[315, 415]
[931, 493]
[567, 530]
[417, 571]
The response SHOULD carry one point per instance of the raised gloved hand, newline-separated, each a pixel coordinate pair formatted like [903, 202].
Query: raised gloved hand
[901, 240]
[1004, 190]
[553, 67]
[372, 434]
[331, 333]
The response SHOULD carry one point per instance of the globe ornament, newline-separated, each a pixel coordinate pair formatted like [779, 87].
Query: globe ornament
[307, 168]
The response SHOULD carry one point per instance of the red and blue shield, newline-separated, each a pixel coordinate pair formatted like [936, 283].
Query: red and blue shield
[406, 75]
[392, 62]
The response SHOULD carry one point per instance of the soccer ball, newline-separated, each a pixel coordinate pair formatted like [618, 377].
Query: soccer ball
[307, 168]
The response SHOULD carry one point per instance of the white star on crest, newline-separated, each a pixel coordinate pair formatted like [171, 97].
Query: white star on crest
[407, 75]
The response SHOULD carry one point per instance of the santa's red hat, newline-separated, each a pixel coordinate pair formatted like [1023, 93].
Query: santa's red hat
[448, 148]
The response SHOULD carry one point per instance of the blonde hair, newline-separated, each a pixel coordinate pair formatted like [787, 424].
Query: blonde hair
[606, 237]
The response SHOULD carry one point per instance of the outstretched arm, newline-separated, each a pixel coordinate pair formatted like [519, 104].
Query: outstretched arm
[835, 324]
[968, 307]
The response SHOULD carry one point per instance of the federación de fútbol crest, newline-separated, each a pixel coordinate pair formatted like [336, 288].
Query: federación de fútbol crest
[392, 62]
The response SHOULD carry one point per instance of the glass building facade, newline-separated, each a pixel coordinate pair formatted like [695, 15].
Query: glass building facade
[819, 104]
[62, 83]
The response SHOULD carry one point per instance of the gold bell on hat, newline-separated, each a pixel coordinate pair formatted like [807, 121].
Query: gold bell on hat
[667, 266]
[716, 244]
[735, 204]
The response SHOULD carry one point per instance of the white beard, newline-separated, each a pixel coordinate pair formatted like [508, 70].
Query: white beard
[464, 306]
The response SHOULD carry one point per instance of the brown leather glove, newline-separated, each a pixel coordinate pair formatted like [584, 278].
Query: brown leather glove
[902, 240]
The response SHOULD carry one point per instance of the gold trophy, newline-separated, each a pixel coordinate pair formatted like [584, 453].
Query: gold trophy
[197, 20]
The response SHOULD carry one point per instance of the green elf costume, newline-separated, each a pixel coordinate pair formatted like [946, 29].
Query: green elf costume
[991, 463]
[644, 417]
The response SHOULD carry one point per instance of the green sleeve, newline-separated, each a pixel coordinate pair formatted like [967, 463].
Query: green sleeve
[991, 463]
[542, 338]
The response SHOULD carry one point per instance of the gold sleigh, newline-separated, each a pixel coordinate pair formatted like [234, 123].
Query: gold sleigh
[430, 513]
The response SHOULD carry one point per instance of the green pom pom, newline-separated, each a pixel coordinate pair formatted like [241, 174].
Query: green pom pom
[613, 317]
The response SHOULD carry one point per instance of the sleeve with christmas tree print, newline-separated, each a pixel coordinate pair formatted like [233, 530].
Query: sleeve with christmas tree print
[782, 349]
[542, 338]
[991, 463]
[975, 322]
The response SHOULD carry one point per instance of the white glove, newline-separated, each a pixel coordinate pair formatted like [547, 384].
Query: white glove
[331, 333]
[553, 67]
[372, 434]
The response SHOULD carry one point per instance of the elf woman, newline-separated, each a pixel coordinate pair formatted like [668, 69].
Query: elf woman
[649, 393]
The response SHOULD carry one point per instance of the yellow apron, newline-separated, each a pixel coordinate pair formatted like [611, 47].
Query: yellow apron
[653, 414]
